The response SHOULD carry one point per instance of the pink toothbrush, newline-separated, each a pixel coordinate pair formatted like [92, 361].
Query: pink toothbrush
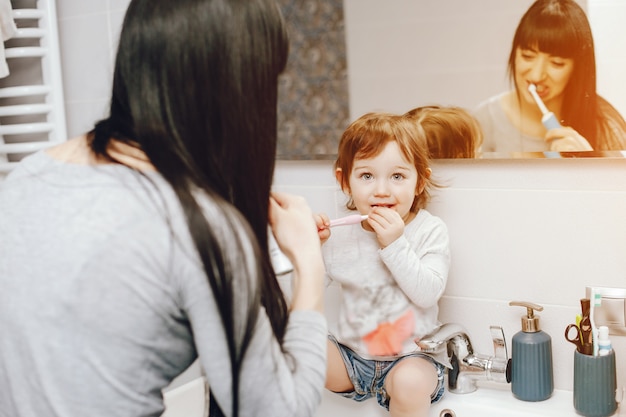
[351, 219]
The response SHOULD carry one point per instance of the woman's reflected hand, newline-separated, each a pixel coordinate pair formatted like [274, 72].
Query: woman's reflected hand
[566, 139]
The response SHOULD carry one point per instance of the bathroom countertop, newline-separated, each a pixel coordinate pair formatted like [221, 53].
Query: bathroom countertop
[496, 400]
[486, 401]
[489, 400]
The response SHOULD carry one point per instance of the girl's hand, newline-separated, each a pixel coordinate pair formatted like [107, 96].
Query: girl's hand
[323, 226]
[387, 224]
[566, 139]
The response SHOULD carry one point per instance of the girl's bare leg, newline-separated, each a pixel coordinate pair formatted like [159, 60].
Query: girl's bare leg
[337, 379]
[409, 385]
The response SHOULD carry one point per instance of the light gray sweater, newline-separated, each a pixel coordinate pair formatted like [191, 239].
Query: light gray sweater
[389, 296]
[103, 303]
[499, 133]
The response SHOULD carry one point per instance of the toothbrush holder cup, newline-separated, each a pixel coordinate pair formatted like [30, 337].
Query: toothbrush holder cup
[595, 385]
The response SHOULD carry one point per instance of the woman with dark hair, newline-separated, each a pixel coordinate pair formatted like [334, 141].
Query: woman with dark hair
[134, 249]
[552, 50]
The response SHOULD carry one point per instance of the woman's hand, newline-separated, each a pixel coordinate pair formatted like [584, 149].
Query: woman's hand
[129, 155]
[292, 222]
[296, 233]
[566, 139]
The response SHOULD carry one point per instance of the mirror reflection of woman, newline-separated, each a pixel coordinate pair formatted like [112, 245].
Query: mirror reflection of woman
[552, 49]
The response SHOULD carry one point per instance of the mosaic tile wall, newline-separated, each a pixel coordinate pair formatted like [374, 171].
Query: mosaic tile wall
[313, 108]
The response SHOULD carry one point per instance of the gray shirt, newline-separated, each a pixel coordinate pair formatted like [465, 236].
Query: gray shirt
[500, 135]
[103, 302]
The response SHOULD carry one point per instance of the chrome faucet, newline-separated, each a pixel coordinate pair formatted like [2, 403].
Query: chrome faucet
[468, 367]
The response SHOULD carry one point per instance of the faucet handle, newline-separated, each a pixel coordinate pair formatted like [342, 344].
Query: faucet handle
[437, 340]
[499, 342]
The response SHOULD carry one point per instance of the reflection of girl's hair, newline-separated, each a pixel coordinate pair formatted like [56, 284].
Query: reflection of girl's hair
[561, 28]
[195, 87]
[451, 132]
[367, 136]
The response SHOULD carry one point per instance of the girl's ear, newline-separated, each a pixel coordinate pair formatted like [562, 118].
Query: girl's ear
[339, 177]
[422, 181]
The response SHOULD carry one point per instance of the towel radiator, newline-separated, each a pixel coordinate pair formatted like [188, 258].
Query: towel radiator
[32, 115]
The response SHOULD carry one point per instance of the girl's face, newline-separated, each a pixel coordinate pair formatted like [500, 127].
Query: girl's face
[387, 180]
[548, 72]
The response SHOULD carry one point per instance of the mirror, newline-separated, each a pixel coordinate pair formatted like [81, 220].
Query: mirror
[407, 53]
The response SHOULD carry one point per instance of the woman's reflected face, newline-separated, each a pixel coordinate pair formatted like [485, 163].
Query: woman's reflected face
[549, 73]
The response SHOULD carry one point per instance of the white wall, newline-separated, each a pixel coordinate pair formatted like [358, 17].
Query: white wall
[406, 53]
[609, 33]
[535, 230]
[88, 33]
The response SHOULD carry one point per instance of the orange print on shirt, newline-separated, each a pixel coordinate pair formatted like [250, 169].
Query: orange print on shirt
[388, 337]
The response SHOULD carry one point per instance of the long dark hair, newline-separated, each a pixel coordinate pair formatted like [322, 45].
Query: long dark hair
[195, 87]
[561, 28]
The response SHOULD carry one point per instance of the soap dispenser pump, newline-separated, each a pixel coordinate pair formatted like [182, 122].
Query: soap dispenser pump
[531, 364]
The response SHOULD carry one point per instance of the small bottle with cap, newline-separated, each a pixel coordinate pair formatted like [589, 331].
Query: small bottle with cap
[531, 363]
[604, 343]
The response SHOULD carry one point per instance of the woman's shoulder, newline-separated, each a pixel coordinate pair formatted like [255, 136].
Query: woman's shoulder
[493, 101]
[490, 112]
[609, 112]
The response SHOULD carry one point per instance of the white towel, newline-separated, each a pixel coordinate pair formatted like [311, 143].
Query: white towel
[7, 31]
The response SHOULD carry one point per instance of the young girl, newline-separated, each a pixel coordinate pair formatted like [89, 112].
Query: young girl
[553, 49]
[392, 268]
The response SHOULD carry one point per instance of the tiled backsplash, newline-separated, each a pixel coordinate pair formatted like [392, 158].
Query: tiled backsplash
[534, 230]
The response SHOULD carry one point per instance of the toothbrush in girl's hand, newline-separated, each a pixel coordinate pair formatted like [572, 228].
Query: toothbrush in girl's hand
[549, 119]
[352, 219]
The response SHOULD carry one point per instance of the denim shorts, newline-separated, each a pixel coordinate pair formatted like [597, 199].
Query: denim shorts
[368, 376]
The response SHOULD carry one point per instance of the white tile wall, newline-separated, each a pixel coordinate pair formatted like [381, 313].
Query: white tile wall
[538, 230]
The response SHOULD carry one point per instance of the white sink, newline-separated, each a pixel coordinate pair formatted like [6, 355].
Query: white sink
[496, 401]
[492, 402]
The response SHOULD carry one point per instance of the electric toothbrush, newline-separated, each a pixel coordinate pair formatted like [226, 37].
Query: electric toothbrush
[549, 119]
[352, 219]
[280, 262]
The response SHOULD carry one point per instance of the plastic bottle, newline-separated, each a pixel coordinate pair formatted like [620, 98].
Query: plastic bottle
[531, 364]
[604, 343]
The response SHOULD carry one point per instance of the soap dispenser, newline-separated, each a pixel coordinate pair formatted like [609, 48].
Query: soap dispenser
[531, 363]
